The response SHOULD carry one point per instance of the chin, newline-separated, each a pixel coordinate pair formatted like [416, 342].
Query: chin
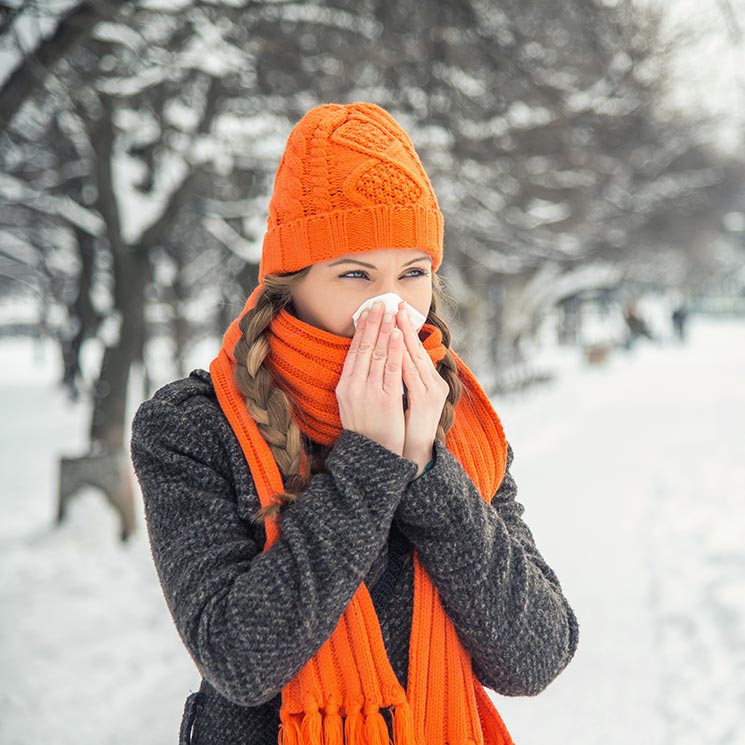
[347, 332]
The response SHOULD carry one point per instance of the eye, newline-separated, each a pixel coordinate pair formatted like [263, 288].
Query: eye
[354, 271]
[359, 274]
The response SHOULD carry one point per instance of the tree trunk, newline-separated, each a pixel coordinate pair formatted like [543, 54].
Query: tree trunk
[83, 316]
[475, 318]
[106, 466]
[569, 320]
[108, 422]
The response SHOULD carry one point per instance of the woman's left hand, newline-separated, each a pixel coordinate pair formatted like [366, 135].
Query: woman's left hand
[427, 392]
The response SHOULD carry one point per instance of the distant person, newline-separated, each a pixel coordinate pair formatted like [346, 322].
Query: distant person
[636, 325]
[344, 560]
[680, 319]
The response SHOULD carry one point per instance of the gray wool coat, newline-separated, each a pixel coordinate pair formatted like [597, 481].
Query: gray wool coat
[251, 619]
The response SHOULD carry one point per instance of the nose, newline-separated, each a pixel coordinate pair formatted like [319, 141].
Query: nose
[389, 288]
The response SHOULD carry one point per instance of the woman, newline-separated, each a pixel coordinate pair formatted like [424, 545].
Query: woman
[345, 563]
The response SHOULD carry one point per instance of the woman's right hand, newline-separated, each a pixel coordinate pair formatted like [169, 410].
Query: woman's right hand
[369, 389]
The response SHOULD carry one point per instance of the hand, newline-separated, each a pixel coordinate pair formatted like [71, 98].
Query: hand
[369, 389]
[427, 392]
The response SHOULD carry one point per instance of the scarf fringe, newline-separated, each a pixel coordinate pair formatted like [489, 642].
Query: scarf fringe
[311, 728]
[289, 729]
[404, 731]
[353, 728]
[333, 728]
[328, 727]
[403, 724]
[376, 730]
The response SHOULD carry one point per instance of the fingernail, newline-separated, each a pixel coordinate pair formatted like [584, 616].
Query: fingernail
[388, 317]
[363, 315]
[377, 305]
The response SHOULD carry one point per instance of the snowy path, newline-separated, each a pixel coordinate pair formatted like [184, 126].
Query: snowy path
[633, 479]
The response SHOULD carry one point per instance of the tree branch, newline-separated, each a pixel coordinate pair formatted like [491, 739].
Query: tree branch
[154, 234]
[32, 71]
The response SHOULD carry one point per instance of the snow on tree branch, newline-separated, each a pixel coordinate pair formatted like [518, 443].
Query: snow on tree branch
[249, 251]
[15, 191]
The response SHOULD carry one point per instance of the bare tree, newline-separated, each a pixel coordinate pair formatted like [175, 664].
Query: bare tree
[139, 145]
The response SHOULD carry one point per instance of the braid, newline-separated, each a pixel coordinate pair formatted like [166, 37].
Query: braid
[268, 405]
[447, 366]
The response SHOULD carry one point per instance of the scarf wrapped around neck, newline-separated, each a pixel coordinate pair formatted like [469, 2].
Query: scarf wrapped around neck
[337, 696]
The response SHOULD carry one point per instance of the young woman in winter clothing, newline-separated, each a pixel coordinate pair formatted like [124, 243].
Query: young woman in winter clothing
[330, 508]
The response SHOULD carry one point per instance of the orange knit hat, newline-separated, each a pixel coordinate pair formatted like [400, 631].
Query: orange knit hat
[349, 181]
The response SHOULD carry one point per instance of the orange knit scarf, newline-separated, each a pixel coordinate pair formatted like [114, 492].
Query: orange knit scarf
[336, 698]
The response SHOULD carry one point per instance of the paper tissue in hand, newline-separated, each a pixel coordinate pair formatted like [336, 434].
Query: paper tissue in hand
[390, 301]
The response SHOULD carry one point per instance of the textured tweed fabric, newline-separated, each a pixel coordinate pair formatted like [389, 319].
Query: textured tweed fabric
[251, 620]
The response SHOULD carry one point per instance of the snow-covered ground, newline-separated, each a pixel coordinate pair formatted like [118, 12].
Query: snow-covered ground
[633, 479]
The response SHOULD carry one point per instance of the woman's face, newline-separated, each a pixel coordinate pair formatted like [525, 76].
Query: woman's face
[331, 291]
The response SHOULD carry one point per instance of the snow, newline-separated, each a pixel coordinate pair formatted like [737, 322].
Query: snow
[208, 51]
[522, 116]
[118, 33]
[632, 475]
[550, 284]
[134, 84]
[322, 16]
[468, 84]
[543, 212]
[646, 534]
[33, 23]
[180, 115]
[141, 210]
[16, 191]
[249, 251]
[734, 222]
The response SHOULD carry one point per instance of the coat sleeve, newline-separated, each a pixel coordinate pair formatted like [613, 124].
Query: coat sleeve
[504, 600]
[251, 619]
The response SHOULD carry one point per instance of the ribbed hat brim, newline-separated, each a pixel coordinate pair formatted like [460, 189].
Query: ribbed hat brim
[309, 240]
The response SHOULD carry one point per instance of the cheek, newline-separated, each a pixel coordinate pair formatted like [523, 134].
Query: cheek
[342, 319]
[421, 300]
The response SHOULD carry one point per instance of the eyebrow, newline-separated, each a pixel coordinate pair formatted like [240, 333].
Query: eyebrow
[371, 266]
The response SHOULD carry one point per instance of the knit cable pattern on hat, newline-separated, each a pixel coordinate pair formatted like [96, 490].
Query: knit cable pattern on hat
[349, 181]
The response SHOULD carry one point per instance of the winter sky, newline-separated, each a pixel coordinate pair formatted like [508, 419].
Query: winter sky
[709, 72]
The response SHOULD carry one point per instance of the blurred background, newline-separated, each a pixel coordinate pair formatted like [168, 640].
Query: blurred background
[588, 158]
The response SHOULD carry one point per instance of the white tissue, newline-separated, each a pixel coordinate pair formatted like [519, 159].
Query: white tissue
[390, 300]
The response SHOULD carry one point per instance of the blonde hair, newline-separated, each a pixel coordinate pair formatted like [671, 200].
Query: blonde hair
[271, 408]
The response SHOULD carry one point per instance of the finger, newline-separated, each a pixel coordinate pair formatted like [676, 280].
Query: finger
[417, 352]
[409, 370]
[380, 353]
[357, 336]
[349, 360]
[392, 370]
[403, 319]
[363, 349]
